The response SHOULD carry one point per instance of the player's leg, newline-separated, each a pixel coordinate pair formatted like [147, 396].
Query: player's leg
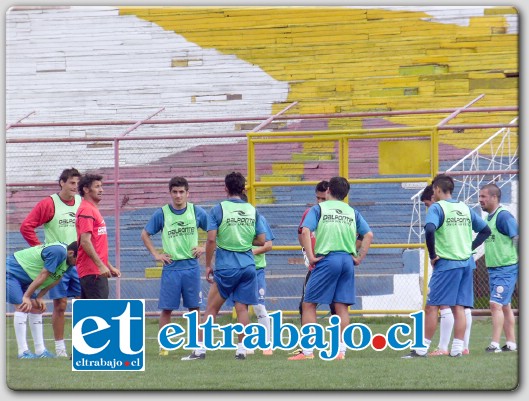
[57, 321]
[260, 309]
[446, 324]
[509, 323]
[510, 277]
[244, 294]
[169, 299]
[213, 305]
[468, 329]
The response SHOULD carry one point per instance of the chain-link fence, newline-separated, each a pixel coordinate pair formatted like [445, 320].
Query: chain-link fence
[385, 168]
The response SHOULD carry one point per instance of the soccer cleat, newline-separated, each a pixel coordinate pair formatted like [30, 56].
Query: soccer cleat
[296, 351]
[466, 351]
[163, 352]
[458, 355]
[340, 356]
[506, 348]
[268, 352]
[414, 354]
[438, 352]
[194, 357]
[492, 348]
[45, 354]
[27, 354]
[300, 357]
[61, 354]
[240, 357]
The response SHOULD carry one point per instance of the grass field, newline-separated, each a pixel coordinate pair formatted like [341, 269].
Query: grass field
[361, 370]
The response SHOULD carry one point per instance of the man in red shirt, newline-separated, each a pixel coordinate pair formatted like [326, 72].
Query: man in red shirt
[56, 213]
[92, 259]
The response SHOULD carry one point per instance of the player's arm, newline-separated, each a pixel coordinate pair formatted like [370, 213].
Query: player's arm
[202, 222]
[27, 304]
[158, 256]
[263, 249]
[42, 213]
[306, 243]
[86, 243]
[211, 244]
[480, 226]
[300, 228]
[365, 243]
[53, 256]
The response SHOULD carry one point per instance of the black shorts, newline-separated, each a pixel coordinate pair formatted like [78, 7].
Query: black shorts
[94, 286]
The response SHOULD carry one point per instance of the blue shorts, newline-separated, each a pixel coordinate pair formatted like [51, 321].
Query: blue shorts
[17, 282]
[452, 287]
[241, 282]
[69, 286]
[502, 281]
[261, 289]
[180, 283]
[332, 280]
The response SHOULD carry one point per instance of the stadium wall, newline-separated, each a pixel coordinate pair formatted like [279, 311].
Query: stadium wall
[108, 64]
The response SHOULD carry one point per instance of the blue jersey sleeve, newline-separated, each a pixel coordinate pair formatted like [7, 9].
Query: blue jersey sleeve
[259, 226]
[507, 224]
[269, 235]
[202, 218]
[156, 222]
[435, 215]
[53, 256]
[362, 227]
[478, 223]
[312, 218]
[214, 218]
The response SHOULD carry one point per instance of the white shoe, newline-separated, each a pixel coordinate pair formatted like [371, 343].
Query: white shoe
[61, 353]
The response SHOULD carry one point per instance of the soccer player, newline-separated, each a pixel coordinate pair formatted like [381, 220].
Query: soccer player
[260, 264]
[57, 214]
[233, 227]
[501, 258]
[93, 265]
[446, 316]
[30, 274]
[336, 225]
[321, 193]
[179, 222]
[448, 231]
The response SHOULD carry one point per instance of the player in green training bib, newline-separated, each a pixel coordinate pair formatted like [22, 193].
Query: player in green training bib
[448, 232]
[30, 274]
[234, 227]
[178, 222]
[336, 226]
[501, 258]
[56, 213]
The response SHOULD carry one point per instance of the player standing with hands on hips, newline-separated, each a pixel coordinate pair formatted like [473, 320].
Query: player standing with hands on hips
[336, 226]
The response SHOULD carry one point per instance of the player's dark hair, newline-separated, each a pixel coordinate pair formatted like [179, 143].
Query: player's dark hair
[322, 186]
[235, 183]
[178, 182]
[244, 197]
[493, 190]
[339, 187]
[87, 180]
[73, 247]
[68, 173]
[444, 182]
[427, 193]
